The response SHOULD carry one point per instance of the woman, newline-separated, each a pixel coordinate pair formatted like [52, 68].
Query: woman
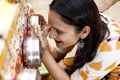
[78, 22]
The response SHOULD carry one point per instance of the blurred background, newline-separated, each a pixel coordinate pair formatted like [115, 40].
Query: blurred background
[41, 6]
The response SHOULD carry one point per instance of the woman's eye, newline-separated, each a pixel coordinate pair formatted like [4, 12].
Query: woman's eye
[59, 32]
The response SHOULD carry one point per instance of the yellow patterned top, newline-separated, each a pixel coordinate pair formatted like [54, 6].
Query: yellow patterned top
[107, 58]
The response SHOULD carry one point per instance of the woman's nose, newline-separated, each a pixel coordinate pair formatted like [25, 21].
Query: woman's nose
[52, 34]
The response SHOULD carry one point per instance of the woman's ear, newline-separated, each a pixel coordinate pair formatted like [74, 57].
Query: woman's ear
[84, 32]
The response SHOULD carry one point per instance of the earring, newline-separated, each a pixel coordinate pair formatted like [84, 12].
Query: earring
[80, 44]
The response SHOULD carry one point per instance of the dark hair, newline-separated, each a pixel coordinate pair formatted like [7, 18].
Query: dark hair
[82, 13]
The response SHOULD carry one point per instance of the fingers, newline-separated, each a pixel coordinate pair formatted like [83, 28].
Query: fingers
[31, 32]
[43, 26]
[42, 36]
[46, 31]
[34, 31]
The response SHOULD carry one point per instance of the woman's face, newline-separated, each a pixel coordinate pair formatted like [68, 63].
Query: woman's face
[64, 34]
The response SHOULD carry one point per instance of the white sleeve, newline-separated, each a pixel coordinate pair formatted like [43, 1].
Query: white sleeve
[107, 58]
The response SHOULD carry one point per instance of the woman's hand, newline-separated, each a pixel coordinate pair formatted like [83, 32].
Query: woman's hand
[41, 34]
[52, 66]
